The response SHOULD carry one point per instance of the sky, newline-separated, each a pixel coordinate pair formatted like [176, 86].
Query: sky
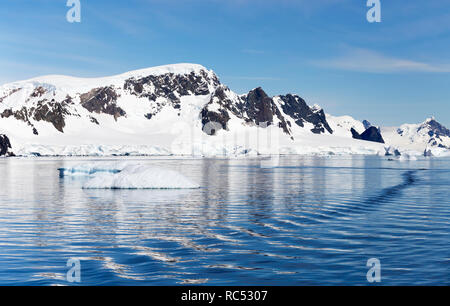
[393, 72]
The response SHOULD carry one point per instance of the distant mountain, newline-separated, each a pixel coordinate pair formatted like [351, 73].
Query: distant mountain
[429, 134]
[174, 109]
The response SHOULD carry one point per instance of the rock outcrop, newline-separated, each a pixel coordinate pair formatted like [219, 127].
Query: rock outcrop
[261, 110]
[5, 146]
[434, 129]
[102, 101]
[391, 151]
[296, 108]
[371, 134]
[366, 124]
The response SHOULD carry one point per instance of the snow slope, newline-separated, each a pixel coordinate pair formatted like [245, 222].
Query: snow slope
[427, 136]
[343, 124]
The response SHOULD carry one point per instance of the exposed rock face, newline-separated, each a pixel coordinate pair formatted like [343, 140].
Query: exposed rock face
[297, 109]
[371, 134]
[355, 134]
[320, 122]
[5, 145]
[102, 101]
[221, 114]
[171, 87]
[435, 129]
[53, 112]
[38, 92]
[391, 151]
[49, 111]
[255, 108]
[427, 153]
[209, 120]
[259, 108]
[366, 124]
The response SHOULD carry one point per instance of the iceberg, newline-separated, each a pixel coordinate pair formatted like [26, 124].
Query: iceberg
[92, 168]
[138, 177]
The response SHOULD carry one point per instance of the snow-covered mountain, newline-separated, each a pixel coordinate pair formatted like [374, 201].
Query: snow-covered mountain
[429, 135]
[174, 109]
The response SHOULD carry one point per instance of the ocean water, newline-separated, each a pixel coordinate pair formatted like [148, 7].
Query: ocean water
[308, 221]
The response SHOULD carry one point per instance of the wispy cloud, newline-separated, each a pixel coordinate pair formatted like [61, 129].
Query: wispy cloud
[364, 60]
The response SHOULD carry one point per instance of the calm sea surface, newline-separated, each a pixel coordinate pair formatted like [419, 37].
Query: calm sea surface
[310, 221]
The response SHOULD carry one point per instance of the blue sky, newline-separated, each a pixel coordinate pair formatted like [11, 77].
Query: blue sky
[391, 72]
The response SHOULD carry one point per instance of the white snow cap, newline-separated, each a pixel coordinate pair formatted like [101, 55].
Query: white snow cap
[62, 81]
[316, 107]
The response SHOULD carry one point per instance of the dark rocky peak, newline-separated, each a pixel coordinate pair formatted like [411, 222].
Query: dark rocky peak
[171, 85]
[371, 134]
[215, 119]
[38, 92]
[296, 108]
[102, 101]
[320, 122]
[5, 145]
[254, 108]
[260, 109]
[366, 124]
[224, 98]
[435, 129]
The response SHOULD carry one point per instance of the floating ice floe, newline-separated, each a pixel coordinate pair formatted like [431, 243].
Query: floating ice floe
[126, 175]
[138, 177]
[92, 168]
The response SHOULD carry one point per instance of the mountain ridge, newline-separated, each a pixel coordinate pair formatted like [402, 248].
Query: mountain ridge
[141, 107]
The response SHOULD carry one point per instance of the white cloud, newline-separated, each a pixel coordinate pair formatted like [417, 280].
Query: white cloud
[364, 60]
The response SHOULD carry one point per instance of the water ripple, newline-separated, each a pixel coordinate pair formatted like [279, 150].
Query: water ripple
[311, 221]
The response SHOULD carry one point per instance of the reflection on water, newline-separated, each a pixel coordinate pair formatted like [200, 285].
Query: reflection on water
[310, 221]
